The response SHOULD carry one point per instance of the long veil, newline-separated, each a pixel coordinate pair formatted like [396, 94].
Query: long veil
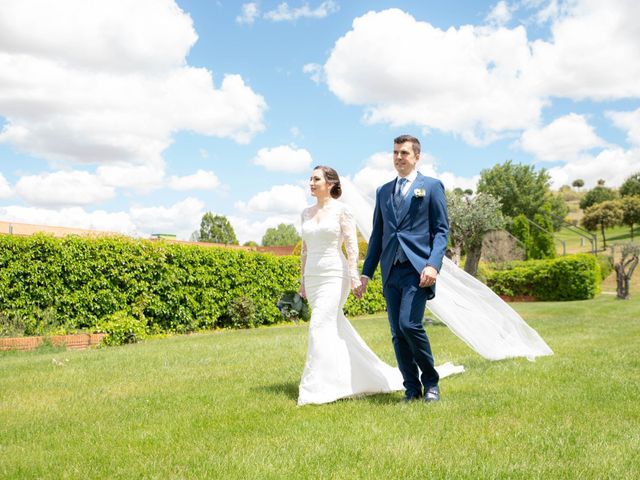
[468, 307]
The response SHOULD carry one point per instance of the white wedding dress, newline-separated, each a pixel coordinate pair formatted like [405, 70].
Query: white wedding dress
[339, 363]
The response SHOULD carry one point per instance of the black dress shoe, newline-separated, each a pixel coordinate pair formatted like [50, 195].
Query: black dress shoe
[432, 394]
[410, 397]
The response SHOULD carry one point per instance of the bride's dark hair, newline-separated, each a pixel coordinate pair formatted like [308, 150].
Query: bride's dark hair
[332, 177]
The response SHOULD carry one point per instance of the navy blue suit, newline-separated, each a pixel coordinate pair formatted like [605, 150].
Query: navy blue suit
[420, 227]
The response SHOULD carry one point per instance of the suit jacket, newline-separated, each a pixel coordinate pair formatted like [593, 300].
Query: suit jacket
[420, 226]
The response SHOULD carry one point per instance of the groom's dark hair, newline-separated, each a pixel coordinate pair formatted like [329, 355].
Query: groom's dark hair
[408, 138]
[332, 177]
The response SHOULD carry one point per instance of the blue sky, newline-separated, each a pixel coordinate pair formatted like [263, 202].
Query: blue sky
[139, 117]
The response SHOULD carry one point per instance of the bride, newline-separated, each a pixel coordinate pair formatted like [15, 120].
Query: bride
[339, 363]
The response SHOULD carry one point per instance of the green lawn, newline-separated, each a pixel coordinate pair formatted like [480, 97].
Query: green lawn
[574, 242]
[223, 405]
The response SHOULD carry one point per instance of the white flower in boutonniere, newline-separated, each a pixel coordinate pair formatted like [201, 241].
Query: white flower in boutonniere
[419, 192]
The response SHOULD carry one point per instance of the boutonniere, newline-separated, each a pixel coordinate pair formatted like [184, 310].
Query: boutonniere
[419, 192]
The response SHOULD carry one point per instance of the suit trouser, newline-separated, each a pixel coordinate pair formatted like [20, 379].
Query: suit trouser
[406, 302]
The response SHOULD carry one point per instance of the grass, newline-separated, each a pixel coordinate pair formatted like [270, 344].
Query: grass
[223, 405]
[575, 244]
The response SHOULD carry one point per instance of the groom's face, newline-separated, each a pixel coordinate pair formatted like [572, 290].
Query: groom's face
[404, 158]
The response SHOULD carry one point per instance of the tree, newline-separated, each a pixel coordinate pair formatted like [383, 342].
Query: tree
[250, 243]
[597, 195]
[578, 183]
[281, 236]
[469, 220]
[517, 187]
[631, 186]
[624, 269]
[603, 215]
[217, 229]
[556, 208]
[631, 211]
[542, 238]
[520, 229]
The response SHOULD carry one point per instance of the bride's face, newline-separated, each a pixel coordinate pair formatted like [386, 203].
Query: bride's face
[318, 184]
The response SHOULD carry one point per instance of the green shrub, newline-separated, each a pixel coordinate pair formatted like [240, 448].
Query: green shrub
[372, 301]
[75, 283]
[606, 265]
[241, 313]
[572, 277]
[121, 328]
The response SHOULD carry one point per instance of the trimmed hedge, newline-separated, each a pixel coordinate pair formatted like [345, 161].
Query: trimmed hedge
[78, 283]
[571, 277]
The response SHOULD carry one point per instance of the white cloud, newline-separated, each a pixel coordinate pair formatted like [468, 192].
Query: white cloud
[246, 229]
[250, 12]
[612, 164]
[201, 180]
[378, 170]
[72, 188]
[594, 52]
[143, 178]
[74, 217]
[500, 14]
[485, 82]
[464, 80]
[180, 219]
[628, 121]
[106, 83]
[564, 139]
[314, 71]
[284, 159]
[5, 189]
[284, 13]
[281, 199]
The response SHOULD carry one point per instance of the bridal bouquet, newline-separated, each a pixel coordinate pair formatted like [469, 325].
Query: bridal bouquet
[293, 307]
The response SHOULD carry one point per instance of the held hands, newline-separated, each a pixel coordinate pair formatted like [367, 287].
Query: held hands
[302, 291]
[428, 276]
[359, 292]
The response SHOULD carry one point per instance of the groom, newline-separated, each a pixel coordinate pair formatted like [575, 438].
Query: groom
[409, 238]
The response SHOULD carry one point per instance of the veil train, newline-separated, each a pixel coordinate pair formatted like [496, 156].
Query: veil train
[468, 307]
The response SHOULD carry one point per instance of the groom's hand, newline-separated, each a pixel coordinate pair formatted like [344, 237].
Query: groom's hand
[362, 288]
[428, 276]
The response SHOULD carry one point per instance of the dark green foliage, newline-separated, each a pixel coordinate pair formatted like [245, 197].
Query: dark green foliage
[572, 277]
[216, 229]
[83, 284]
[178, 288]
[281, 236]
[520, 229]
[293, 307]
[631, 211]
[597, 195]
[631, 186]
[241, 313]
[372, 302]
[542, 240]
[519, 188]
[603, 215]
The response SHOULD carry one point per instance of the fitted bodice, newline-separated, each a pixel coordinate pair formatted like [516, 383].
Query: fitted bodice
[322, 243]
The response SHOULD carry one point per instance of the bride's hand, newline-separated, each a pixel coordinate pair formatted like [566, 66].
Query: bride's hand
[302, 291]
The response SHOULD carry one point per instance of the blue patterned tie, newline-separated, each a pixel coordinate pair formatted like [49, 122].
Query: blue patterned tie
[397, 201]
[397, 197]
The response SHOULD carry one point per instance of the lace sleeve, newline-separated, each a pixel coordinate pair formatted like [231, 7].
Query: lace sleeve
[303, 251]
[348, 229]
